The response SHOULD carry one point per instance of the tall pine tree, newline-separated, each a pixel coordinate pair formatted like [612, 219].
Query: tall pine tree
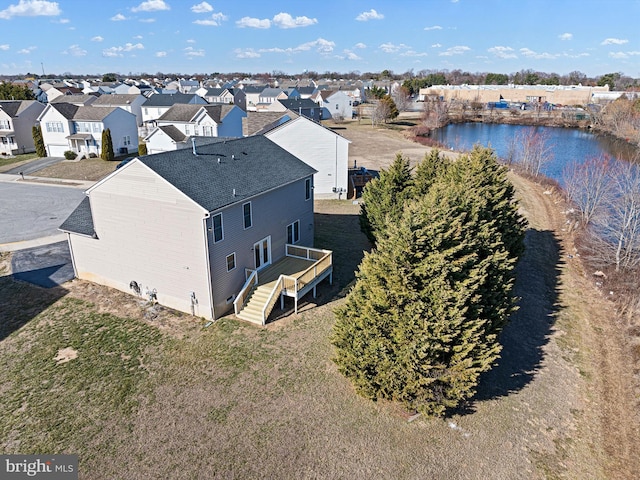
[107, 145]
[385, 197]
[38, 141]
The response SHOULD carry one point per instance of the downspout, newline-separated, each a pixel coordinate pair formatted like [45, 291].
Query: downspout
[208, 263]
[73, 258]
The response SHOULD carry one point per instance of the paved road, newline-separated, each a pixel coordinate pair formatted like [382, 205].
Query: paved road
[29, 211]
[34, 166]
[46, 266]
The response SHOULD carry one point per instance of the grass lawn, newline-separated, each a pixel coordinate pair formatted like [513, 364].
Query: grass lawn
[4, 161]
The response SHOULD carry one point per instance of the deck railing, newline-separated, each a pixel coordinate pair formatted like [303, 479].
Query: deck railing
[242, 297]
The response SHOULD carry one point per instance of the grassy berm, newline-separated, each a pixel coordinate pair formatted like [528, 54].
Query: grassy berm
[140, 392]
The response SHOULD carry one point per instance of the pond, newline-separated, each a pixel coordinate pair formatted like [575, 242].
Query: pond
[566, 144]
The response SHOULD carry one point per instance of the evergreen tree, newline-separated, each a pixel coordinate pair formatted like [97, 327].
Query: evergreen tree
[391, 108]
[427, 171]
[107, 145]
[385, 196]
[142, 149]
[9, 91]
[409, 330]
[38, 141]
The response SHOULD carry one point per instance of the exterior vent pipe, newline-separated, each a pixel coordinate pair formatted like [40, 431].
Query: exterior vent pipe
[193, 145]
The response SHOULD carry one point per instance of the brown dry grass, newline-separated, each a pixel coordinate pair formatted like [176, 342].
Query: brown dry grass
[237, 401]
[87, 169]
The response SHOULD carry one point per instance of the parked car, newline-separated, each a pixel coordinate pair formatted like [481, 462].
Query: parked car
[124, 162]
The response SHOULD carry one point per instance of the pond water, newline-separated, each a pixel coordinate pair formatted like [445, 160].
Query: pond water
[567, 144]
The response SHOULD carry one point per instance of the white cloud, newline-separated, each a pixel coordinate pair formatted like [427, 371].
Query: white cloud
[191, 40]
[75, 51]
[249, 53]
[566, 36]
[31, 8]
[349, 55]
[614, 41]
[203, 7]
[435, 27]
[503, 52]
[118, 18]
[392, 48]
[623, 55]
[322, 46]
[284, 20]
[97, 38]
[413, 53]
[4, 47]
[457, 50]
[151, 6]
[62, 21]
[161, 54]
[26, 51]
[138, 37]
[192, 52]
[370, 15]
[436, 45]
[527, 52]
[118, 51]
[360, 45]
[215, 20]
[250, 22]
[147, 20]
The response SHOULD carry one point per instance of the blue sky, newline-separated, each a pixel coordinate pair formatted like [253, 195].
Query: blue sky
[194, 36]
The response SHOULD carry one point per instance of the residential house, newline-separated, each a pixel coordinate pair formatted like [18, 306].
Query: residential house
[187, 228]
[69, 127]
[17, 118]
[305, 107]
[205, 120]
[216, 95]
[336, 104]
[59, 89]
[156, 105]
[262, 122]
[306, 92]
[79, 100]
[320, 148]
[268, 96]
[252, 96]
[132, 103]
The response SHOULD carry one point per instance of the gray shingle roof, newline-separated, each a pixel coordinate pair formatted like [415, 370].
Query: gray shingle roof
[80, 221]
[166, 100]
[185, 113]
[115, 99]
[13, 108]
[256, 122]
[298, 103]
[173, 133]
[250, 166]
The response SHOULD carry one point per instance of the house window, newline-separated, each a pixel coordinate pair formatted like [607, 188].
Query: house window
[54, 127]
[195, 130]
[207, 131]
[293, 232]
[146, 111]
[97, 127]
[217, 228]
[127, 140]
[82, 127]
[337, 106]
[4, 125]
[231, 262]
[307, 189]
[187, 130]
[246, 213]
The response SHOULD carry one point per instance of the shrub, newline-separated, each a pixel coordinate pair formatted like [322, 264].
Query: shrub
[93, 155]
[142, 149]
[70, 155]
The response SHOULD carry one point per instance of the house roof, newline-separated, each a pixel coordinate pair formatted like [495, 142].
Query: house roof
[168, 99]
[254, 88]
[256, 122]
[271, 92]
[173, 133]
[296, 104]
[186, 112]
[80, 221]
[248, 166]
[116, 99]
[13, 108]
[74, 112]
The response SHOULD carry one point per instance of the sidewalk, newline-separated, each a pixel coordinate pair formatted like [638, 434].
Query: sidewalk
[55, 182]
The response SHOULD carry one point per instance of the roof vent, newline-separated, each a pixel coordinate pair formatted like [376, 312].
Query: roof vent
[193, 145]
[219, 161]
[234, 192]
[233, 156]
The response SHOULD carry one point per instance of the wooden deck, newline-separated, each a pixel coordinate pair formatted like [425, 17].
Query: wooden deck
[291, 266]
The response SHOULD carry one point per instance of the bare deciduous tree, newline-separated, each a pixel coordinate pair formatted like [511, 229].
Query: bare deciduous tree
[436, 112]
[535, 150]
[402, 98]
[589, 186]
